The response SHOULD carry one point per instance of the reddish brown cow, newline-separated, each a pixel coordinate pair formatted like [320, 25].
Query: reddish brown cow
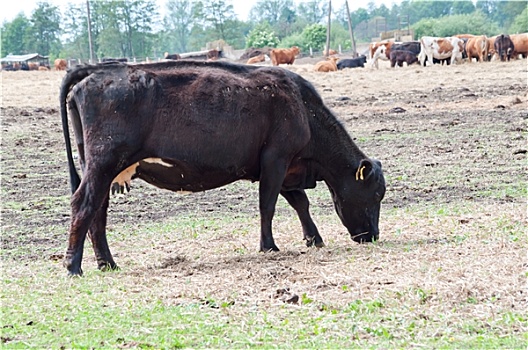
[286, 56]
[256, 59]
[326, 66]
[33, 66]
[43, 68]
[520, 44]
[477, 47]
[60, 64]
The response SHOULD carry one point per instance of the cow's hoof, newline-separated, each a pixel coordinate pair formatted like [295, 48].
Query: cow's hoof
[74, 274]
[269, 249]
[314, 242]
[108, 266]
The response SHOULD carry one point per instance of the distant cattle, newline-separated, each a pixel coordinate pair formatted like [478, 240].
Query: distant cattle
[413, 46]
[477, 47]
[111, 59]
[520, 45]
[259, 123]
[326, 66]
[43, 68]
[504, 47]
[330, 52]
[440, 48]
[173, 56]
[284, 56]
[491, 48]
[380, 50]
[213, 54]
[352, 62]
[256, 59]
[397, 57]
[33, 65]
[60, 64]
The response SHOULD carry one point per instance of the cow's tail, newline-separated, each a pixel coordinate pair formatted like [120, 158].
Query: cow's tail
[73, 77]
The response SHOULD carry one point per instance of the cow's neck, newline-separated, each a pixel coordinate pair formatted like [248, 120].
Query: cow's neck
[333, 150]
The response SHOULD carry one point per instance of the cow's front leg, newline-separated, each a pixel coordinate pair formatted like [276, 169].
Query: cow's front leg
[97, 235]
[299, 201]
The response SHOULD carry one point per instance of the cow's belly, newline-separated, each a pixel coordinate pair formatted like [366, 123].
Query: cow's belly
[181, 177]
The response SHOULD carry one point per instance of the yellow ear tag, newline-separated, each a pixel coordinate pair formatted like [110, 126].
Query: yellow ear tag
[359, 173]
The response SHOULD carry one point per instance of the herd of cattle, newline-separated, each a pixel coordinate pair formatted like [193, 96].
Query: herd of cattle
[447, 50]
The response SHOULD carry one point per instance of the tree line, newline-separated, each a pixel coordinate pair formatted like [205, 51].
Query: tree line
[135, 28]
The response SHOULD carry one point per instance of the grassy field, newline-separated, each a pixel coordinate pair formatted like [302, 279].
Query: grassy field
[449, 271]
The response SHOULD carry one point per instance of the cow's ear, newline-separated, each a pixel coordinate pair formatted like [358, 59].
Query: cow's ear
[365, 170]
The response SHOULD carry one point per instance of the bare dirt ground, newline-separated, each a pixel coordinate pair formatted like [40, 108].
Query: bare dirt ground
[452, 140]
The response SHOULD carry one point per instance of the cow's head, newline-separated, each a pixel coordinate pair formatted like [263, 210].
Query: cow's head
[357, 200]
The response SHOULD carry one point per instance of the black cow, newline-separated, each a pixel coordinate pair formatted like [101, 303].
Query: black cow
[413, 46]
[352, 62]
[504, 47]
[111, 59]
[173, 56]
[397, 57]
[193, 126]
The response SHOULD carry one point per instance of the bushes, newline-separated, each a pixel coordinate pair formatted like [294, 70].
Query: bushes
[262, 36]
[475, 23]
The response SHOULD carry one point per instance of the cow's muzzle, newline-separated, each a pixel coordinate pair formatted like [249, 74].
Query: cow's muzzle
[365, 237]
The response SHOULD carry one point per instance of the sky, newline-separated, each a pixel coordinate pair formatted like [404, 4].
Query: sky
[10, 8]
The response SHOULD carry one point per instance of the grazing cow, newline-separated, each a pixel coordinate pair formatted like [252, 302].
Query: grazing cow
[352, 62]
[504, 47]
[440, 48]
[520, 45]
[327, 66]
[477, 47]
[380, 50]
[286, 56]
[172, 56]
[260, 123]
[256, 59]
[397, 57]
[60, 64]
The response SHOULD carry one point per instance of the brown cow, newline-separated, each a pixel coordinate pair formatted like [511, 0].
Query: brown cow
[464, 36]
[256, 59]
[33, 65]
[43, 68]
[330, 52]
[477, 47]
[376, 53]
[520, 44]
[213, 54]
[286, 56]
[491, 48]
[60, 64]
[327, 66]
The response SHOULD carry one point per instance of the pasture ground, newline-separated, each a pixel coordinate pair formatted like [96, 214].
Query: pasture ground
[449, 271]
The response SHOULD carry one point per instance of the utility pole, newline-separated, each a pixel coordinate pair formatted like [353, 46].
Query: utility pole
[89, 31]
[328, 29]
[351, 31]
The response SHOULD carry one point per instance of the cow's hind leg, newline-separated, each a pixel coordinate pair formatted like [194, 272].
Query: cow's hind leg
[97, 235]
[299, 201]
[85, 203]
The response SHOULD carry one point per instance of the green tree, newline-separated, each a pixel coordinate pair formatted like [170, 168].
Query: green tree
[214, 15]
[314, 36]
[461, 7]
[75, 30]
[13, 34]
[262, 36]
[178, 23]
[42, 35]
[270, 11]
[520, 23]
[474, 23]
[313, 11]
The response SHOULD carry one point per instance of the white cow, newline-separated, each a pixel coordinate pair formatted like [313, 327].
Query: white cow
[440, 48]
